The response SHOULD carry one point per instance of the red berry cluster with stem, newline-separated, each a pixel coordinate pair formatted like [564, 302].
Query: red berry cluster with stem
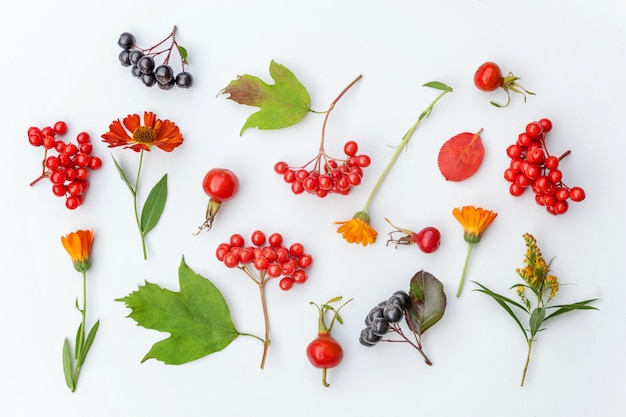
[68, 170]
[533, 167]
[265, 259]
[325, 174]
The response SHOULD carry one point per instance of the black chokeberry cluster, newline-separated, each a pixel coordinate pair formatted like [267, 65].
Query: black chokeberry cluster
[145, 67]
[384, 318]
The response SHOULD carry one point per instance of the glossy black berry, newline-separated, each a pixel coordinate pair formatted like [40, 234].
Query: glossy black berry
[146, 64]
[164, 74]
[184, 80]
[402, 296]
[379, 326]
[393, 313]
[148, 79]
[135, 71]
[126, 40]
[124, 58]
[135, 56]
[168, 85]
[368, 338]
[375, 313]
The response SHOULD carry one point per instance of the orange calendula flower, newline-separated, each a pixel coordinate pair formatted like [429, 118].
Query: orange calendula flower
[78, 246]
[474, 221]
[358, 229]
[130, 133]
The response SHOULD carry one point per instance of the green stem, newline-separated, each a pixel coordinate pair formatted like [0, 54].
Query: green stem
[143, 238]
[530, 346]
[470, 246]
[403, 144]
[79, 354]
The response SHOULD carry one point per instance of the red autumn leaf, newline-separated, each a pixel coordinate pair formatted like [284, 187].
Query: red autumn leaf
[461, 156]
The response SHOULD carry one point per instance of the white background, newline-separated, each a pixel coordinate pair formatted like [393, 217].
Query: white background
[60, 63]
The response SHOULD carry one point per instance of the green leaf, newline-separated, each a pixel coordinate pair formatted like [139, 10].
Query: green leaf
[154, 205]
[438, 86]
[88, 342]
[183, 53]
[502, 300]
[122, 175]
[427, 301]
[80, 339]
[536, 320]
[282, 104]
[67, 365]
[581, 305]
[197, 318]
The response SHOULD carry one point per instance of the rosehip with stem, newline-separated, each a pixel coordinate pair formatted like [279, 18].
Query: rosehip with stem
[220, 185]
[324, 351]
[428, 239]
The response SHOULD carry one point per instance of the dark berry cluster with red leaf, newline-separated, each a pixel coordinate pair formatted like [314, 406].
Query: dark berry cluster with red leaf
[68, 170]
[327, 175]
[269, 256]
[533, 167]
[144, 65]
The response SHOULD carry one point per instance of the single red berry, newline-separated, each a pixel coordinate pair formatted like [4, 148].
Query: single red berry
[577, 194]
[35, 139]
[231, 259]
[72, 202]
[237, 240]
[488, 77]
[60, 128]
[281, 167]
[363, 161]
[300, 276]
[94, 163]
[286, 283]
[351, 148]
[275, 240]
[83, 137]
[428, 239]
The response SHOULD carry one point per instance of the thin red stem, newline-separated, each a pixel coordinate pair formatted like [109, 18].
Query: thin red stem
[331, 107]
[565, 154]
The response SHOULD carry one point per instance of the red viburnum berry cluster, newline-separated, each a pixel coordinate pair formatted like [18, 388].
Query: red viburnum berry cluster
[68, 170]
[328, 175]
[268, 256]
[533, 167]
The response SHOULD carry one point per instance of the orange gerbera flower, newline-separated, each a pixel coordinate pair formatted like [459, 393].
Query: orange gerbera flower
[78, 246]
[358, 229]
[130, 133]
[474, 221]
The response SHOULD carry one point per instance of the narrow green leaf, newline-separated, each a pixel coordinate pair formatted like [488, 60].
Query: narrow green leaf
[438, 86]
[334, 300]
[536, 320]
[503, 303]
[80, 340]
[197, 318]
[427, 301]
[183, 53]
[581, 305]
[123, 176]
[154, 206]
[338, 318]
[67, 365]
[88, 342]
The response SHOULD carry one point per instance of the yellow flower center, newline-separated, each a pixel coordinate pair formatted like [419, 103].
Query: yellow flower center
[144, 134]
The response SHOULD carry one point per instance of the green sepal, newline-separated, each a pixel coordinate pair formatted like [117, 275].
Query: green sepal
[183, 54]
[154, 206]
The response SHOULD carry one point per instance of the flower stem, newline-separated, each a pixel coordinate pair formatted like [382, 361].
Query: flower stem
[82, 335]
[403, 144]
[470, 246]
[530, 346]
[134, 192]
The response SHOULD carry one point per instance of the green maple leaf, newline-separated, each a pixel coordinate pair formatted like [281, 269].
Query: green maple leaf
[282, 104]
[197, 317]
